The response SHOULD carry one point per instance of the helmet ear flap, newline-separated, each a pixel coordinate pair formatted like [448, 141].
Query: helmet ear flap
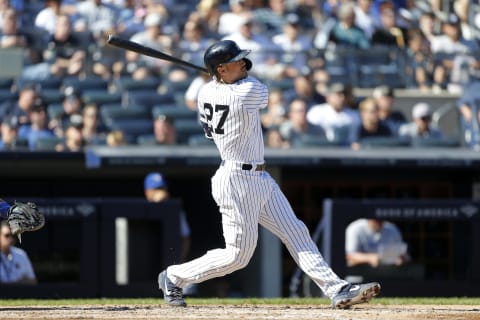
[248, 63]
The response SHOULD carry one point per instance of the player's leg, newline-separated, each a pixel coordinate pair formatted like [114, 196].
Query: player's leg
[277, 216]
[239, 211]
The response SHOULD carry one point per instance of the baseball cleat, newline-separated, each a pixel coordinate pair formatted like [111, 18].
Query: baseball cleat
[351, 294]
[172, 294]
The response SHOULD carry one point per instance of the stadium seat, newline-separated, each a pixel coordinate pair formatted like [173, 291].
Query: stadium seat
[448, 142]
[112, 114]
[88, 83]
[147, 98]
[54, 110]
[132, 127]
[146, 140]
[44, 84]
[50, 96]
[174, 111]
[128, 83]
[309, 140]
[48, 143]
[6, 83]
[384, 142]
[6, 95]
[186, 128]
[100, 97]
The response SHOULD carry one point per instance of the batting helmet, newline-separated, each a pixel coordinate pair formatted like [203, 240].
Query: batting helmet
[224, 51]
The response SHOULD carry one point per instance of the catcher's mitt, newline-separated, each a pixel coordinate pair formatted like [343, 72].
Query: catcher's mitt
[24, 217]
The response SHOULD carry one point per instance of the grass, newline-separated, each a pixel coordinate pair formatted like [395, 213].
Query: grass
[250, 301]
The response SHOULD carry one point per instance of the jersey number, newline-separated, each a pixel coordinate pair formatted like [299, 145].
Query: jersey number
[209, 110]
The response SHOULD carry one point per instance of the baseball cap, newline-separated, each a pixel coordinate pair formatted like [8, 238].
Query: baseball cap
[452, 19]
[421, 110]
[154, 180]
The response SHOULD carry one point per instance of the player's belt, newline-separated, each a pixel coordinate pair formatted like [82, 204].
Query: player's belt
[248, 166]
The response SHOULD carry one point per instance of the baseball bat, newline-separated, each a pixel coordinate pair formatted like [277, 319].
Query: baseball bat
[132, 46]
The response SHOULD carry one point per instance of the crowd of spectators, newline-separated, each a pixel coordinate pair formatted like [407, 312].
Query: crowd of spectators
[74, 90]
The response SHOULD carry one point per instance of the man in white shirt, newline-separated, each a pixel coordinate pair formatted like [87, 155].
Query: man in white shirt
[15, 266]
[334, 117]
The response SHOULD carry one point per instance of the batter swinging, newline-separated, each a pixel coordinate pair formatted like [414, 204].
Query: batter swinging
[245, 193]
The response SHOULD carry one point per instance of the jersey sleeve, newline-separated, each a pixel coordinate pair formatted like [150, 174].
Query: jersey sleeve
[255, 94]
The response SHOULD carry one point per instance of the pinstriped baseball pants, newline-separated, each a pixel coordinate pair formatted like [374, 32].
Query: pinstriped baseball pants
[246, 199]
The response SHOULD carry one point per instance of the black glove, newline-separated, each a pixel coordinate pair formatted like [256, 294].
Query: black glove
[24, 217]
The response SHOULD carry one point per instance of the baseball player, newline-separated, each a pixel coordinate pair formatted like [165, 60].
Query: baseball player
[246, 194]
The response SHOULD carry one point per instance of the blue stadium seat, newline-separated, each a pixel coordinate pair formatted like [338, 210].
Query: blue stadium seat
[50, 96]
[199, 140]
[147, 98]
[132, 127]
[6, 83]
[101, 97]
[112, 114]
[146, 140]
[128, 83]
[174, 111]
[54, 110]
[186, 128]
[44, 84]
[48, 143]
[384, 142]
[88, 83]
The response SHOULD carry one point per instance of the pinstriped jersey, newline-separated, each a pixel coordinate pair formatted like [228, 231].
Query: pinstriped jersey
[232, 114]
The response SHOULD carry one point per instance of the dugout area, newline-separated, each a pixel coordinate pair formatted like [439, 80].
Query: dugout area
[80, 249]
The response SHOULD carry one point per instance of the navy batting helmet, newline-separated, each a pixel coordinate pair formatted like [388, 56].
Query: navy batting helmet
[224, 51]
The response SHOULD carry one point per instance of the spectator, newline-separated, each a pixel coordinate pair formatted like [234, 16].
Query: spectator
[74, 141]
[272, 19]
[20, 108]
[388, 33]
[116, 138]
[470, 114]
[230, 21]
[10, 35]
[275, 112]
[156, 190]
[46, 18]
[141, 66]
[374, 242]
[345, 32]
[420, 127]
[191, 93]
[363, 17]
[297, 125]
[419, 65]
[334, 117]
[63, 55]
[274, 139]
[264, 53]
[455, 61]
[304, 88]
[97, 17]
[194, 42]
[164, 130]
[9, 134]
[72, 103]
[209, 12]
[38, 127]
[384, 98]
[294, 46]
[371, 125]
[15, 265]
[92, 129]
[4, 6]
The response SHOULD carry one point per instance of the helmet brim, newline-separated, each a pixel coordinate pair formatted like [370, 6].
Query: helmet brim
[242, 54]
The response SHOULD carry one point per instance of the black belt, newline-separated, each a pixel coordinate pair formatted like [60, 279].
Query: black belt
[249, 166]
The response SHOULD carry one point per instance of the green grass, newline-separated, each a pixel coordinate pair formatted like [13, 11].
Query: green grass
[254, 301]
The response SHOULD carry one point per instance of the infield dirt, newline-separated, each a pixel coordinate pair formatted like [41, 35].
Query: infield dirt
[232, 312]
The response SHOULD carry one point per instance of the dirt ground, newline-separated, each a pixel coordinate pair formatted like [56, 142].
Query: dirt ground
[232, 312]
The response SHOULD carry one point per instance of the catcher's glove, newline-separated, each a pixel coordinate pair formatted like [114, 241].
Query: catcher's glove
[24, 217]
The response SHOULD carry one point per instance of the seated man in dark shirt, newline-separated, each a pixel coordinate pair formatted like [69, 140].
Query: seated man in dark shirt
[371, 125]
